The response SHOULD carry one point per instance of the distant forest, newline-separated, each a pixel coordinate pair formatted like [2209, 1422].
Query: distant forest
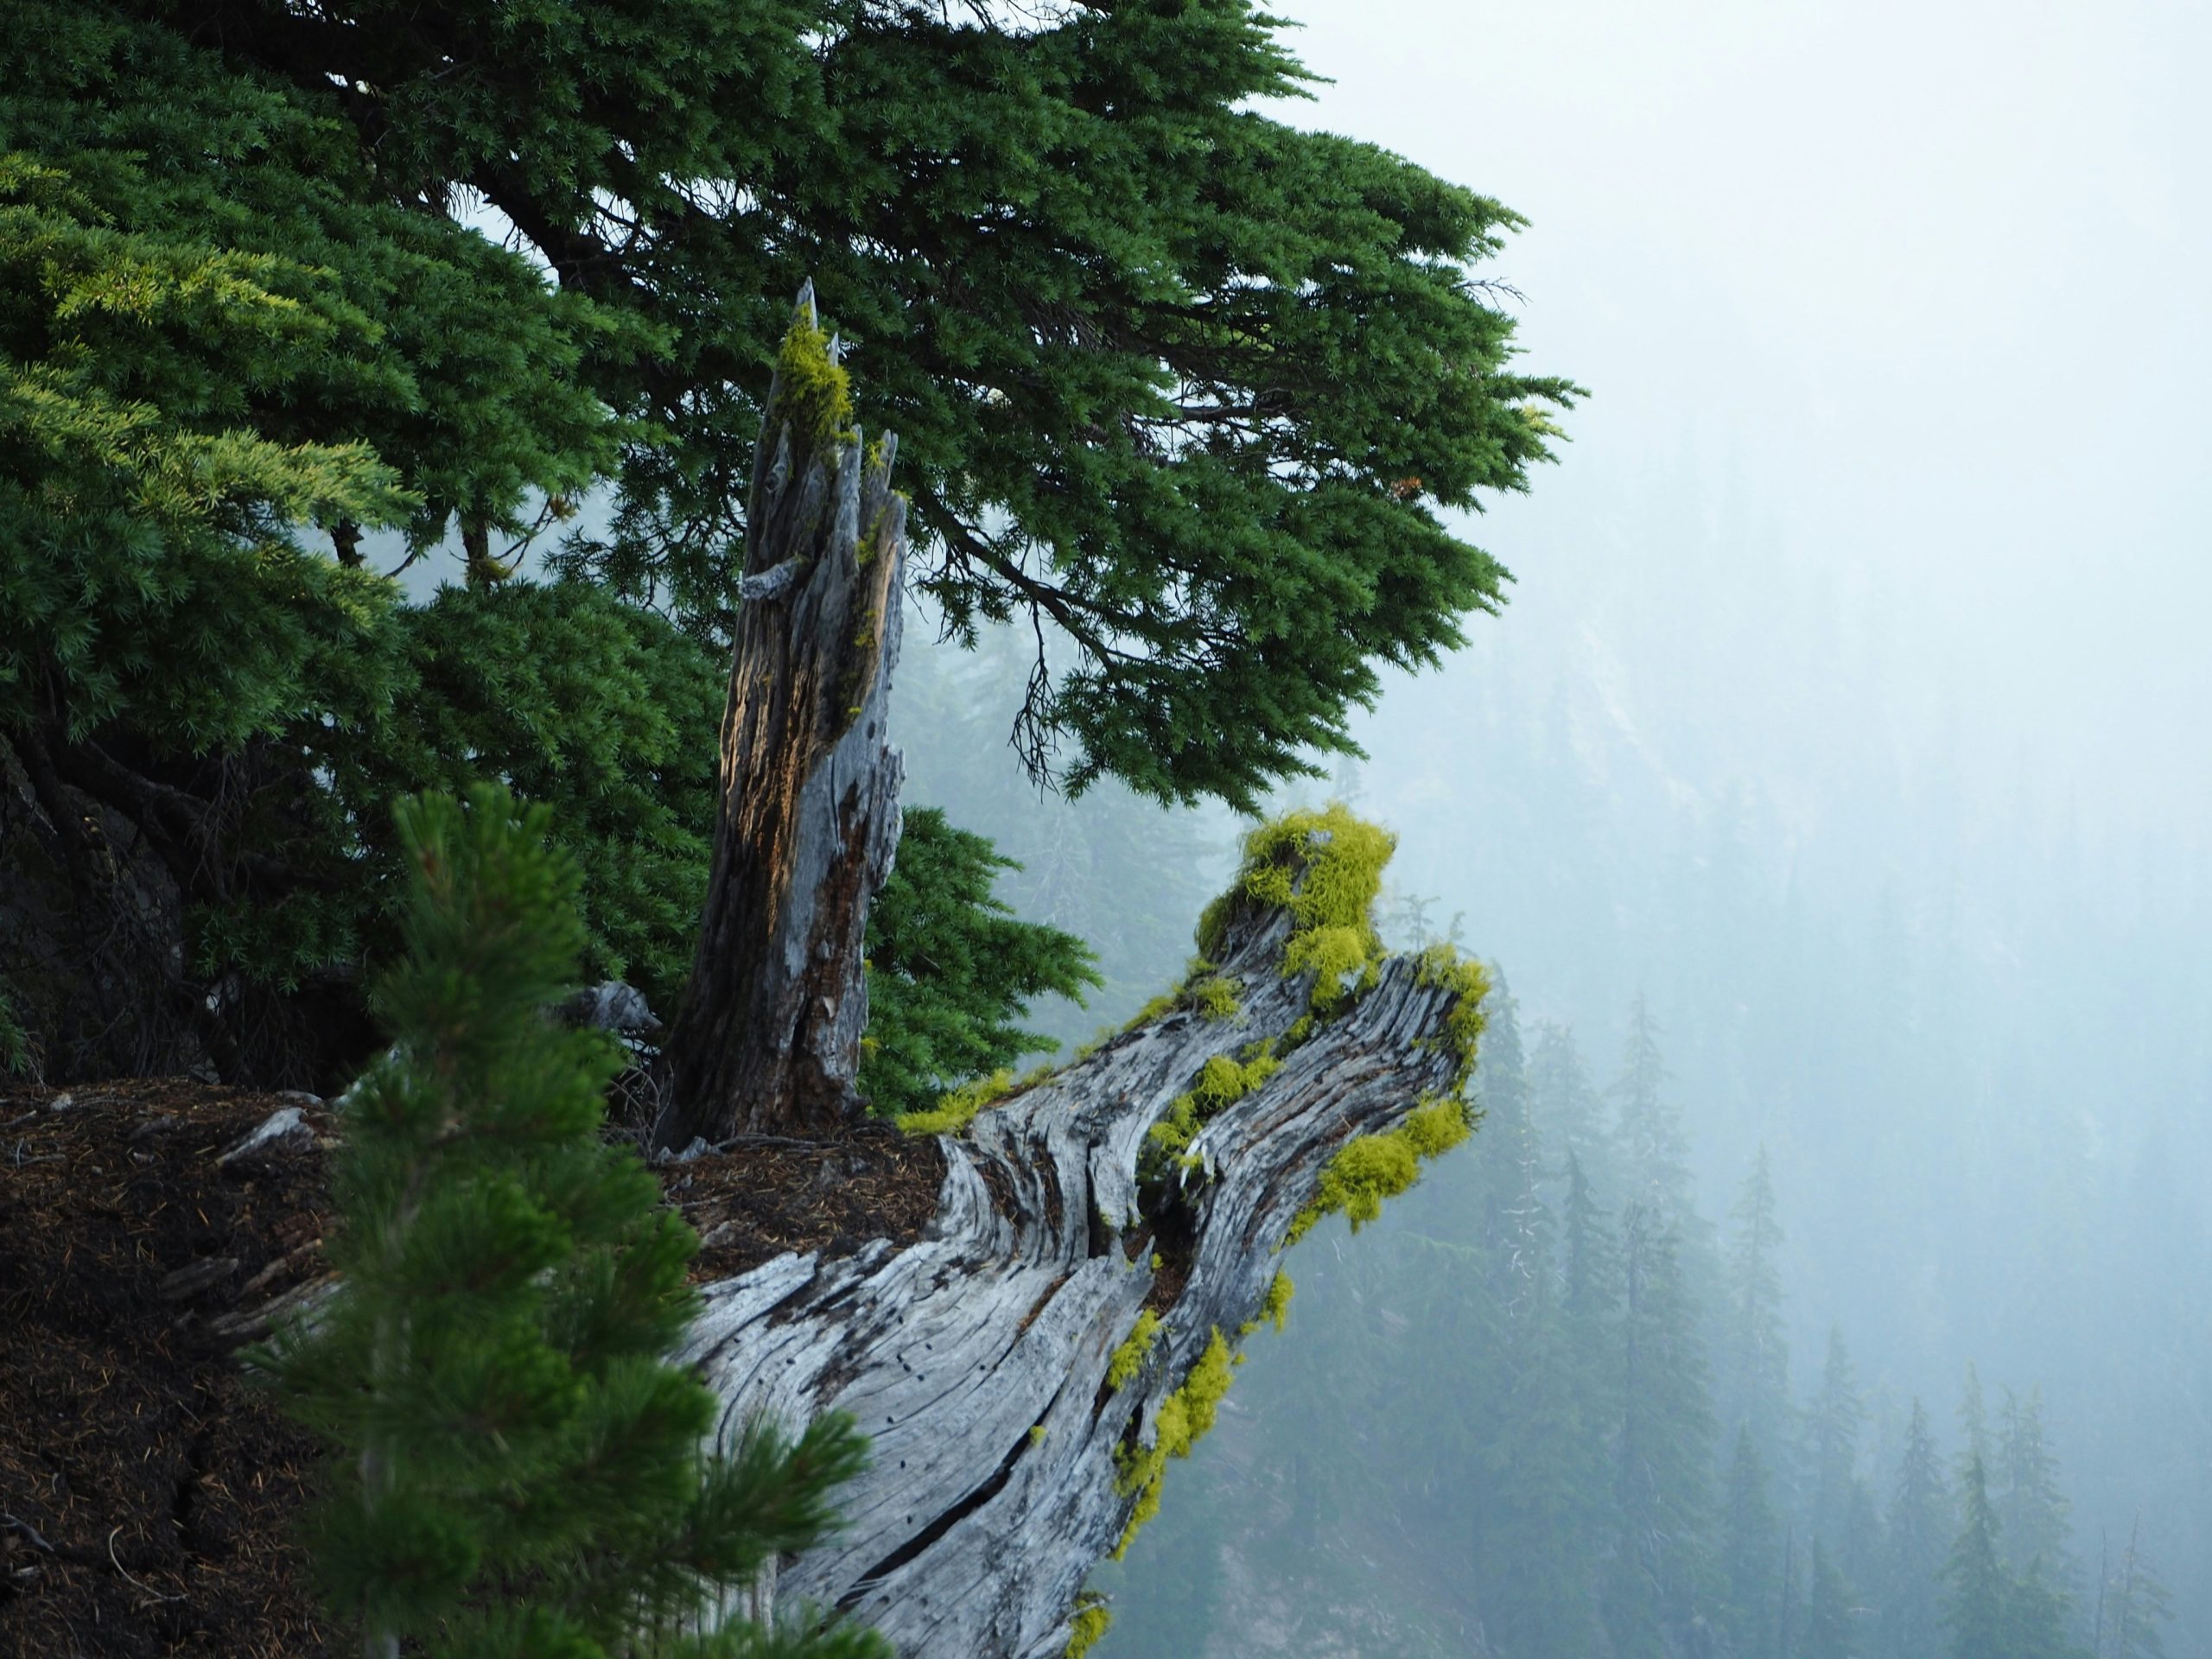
[1547, 1409]
[1438, 1460]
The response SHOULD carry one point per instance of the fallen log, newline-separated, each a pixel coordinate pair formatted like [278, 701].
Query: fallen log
[1104, 1237]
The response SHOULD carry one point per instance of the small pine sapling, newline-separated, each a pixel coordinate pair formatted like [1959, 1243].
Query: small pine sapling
[523, 1471]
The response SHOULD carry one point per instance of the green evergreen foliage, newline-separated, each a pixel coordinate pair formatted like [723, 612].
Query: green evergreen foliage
[525, 1472]
[599, 711]
[1917, 1537]
[1832, 1428]
[1654, 1152]
[1662, 1449]
[1828, 1631]
[2030, 1503]
[950, 968]
[2132, 1606]
[1754, 1393]
[1196, 416]
[1752, 1560]
[1978, 1609]
[1993, 1612]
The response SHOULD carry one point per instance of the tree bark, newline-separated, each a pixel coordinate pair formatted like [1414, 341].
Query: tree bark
[767, 1037]
[977, 1359]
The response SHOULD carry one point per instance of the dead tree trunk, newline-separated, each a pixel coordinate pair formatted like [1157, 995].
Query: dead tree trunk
[767, 1037]
[1010, 1451]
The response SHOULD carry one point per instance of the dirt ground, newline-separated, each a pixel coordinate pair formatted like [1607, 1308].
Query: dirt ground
[148, 1489]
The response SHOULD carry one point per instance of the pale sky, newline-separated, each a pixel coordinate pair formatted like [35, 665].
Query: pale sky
[1927, 282]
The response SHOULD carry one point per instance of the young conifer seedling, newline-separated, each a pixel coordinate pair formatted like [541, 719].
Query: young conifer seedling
[522, 1470]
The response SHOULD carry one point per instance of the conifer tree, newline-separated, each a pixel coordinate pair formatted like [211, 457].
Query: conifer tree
[2134, 1607]
[1832, 1446]
[1513, 1225]
[1973, 1424]
[2030, 1503]
[527, 1473]
[1661, 1569]
[1917, 1537]
[1533, 1579]
[1590, 1292]
[1563, 1099]
[1978, 1601]
[1590, 1262]
[1200, 419]
[948, 964]
[1829, 1632]
[1653, 1151]
[1755, 1391]
[1750, 1554]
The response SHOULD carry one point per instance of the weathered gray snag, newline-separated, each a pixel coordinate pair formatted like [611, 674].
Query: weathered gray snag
[977, 1357]
[768, 1034]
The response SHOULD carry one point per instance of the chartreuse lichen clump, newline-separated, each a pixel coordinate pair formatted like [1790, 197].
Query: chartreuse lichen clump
[1090, 1621]
[1463, 976]
[1325, 867]
[1185, 1417]
[1274, 1307]
[1374, 1168]
[1128, 1359]
[817, 392]
[955, 1110]
[1222, 1083]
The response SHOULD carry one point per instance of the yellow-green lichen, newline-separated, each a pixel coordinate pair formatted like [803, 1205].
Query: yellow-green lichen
[1214, 995]
[955, 1110]
[1325, 867]
[1464, 977]
[1136, 1347]
[1222, 1083]
[817, 392]
[1036, 1433]
[1274, 1307]
[1202, 991]
[1088, 1622]
[1373, 1167]
[1185, 1417]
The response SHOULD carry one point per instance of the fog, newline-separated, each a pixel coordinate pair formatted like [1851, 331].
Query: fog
[1850, 706]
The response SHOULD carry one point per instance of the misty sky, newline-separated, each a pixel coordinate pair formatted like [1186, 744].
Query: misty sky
[1922, 286]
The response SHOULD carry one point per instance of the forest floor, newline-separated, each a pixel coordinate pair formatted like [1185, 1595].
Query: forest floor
[148, 1491]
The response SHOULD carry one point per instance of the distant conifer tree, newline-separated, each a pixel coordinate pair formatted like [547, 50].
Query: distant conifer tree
[1977, 1608]
[1918, 1526]
[1755, 1357]
[1828, 1633]
[1751, 1551]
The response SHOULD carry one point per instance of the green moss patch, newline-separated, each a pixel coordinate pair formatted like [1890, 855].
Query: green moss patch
[817, 392]
[1092, 1617]
[1374, 1168]
[1222, 1082]
[1274, 1309]
[1325, 867]
[1185, 1417]
[955, 1110]
[1469, 985]
[1137, 1348]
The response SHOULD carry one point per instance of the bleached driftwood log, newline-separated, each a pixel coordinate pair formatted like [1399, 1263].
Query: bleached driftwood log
[977, 1357]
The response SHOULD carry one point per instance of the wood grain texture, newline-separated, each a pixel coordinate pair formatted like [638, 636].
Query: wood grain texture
[768, 1034]
[972, 1532]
